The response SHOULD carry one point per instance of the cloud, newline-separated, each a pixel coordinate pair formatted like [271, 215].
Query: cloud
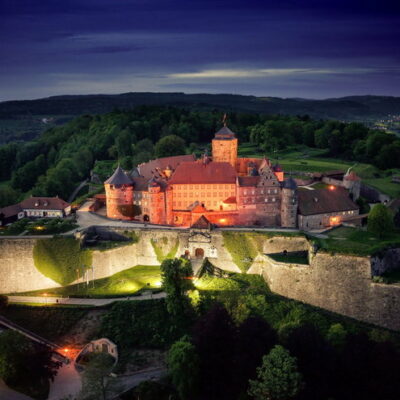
[259, 73]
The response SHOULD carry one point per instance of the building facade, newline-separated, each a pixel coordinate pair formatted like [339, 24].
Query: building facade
[223, 188]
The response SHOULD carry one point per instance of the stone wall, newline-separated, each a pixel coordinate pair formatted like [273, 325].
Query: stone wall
[17, 269]
[339, 283]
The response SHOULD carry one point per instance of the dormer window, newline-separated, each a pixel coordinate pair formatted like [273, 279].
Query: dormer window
[36, 204]
[45, 203]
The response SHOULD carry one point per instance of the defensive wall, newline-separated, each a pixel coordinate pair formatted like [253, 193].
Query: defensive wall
[338, 283]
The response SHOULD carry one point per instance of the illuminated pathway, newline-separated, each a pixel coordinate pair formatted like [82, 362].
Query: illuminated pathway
[80, 301]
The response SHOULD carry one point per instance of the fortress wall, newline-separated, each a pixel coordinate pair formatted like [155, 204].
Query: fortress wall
[17, 269]
[340, 284]
[278, 244]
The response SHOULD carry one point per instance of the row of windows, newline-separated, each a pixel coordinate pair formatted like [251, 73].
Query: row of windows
[208, 187]
[207, 194]
[253, 191]
[266, 200]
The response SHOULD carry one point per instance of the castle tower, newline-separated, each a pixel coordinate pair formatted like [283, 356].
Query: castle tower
[157, 204]
[289, 204]
[353, 183]
[119, 195]
[225, 146]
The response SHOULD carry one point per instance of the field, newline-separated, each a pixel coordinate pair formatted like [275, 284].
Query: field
[123, 283]
[304, 159]
[356, 241]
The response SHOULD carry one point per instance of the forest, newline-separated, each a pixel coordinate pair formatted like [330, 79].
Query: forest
[61, 157]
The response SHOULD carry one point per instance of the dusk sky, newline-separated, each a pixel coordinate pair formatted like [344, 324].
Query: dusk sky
[308, 48]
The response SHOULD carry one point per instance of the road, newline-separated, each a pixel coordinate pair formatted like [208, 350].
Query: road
[66, 383]
[80, 301]
[8, 394]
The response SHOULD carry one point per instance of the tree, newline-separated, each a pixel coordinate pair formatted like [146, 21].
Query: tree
[380, 221]
[171, 145]
[8, 196]
[183, 366]
[95, 377]
[255, 337]
[278, 377]
[26, 364]
[175, 278]
[214, 338]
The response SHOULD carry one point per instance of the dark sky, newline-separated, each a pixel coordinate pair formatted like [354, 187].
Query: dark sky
[308, 48]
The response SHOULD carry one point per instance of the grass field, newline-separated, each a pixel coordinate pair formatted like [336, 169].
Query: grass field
[356, 241]
[123, 283]
[305, 159]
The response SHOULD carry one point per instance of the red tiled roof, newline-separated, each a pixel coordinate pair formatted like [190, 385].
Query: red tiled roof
[248, 180]
[321, 201]
[199, 209]
[147, 169]
[197, 172]
[44, 203]
[10, 211]
[352, 176]
[230, 200]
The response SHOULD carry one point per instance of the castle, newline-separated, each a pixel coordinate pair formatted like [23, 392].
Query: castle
[221, 190]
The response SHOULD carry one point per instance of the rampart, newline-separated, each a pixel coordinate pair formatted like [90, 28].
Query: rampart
[339, 283]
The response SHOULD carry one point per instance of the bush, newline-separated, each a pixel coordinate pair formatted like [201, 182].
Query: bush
[61, 259]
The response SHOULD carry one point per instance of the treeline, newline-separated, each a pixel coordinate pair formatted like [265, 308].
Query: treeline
[352, 141]
[63, 156]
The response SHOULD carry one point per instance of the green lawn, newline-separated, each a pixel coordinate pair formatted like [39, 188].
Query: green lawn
[306, 159]
[123, 283]
[356, 241]
[290, 258]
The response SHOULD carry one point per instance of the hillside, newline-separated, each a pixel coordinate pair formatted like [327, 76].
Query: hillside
[24, 120]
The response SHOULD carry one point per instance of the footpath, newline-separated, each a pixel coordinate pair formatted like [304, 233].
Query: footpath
[81, 301]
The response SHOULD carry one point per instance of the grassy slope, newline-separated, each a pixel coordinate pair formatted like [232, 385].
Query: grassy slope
[357, 242]
[120, 284]
[311, 160]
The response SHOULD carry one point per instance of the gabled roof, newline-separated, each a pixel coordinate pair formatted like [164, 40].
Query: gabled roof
[44, 203]
[202, 223]
[225, 134]
[198, 209]
[197, 172]
[119, 177]
[321, 201]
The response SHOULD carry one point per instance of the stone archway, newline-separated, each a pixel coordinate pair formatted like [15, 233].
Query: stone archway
[199, 253]
[146, 218]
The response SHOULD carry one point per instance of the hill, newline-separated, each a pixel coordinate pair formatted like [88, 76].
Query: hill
[24, 120]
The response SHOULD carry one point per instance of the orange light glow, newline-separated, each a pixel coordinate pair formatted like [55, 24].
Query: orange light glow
[222, 220]
[334, 220]
[66, 350]
[331, 187]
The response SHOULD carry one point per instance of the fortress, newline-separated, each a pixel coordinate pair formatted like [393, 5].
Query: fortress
[224, 190]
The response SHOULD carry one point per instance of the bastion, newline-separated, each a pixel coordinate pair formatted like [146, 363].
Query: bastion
[338, 283]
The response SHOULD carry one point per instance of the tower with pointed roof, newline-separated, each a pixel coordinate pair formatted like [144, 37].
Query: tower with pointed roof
[289, 204]
[119, 195]
[225, 146]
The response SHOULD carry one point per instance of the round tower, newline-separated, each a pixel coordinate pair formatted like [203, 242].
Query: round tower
[119, 195]
[289, 204]
[156, 202]
[353, 183]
